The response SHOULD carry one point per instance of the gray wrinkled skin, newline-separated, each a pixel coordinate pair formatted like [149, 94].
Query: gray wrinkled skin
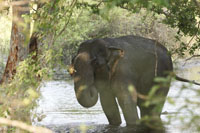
[122, 69]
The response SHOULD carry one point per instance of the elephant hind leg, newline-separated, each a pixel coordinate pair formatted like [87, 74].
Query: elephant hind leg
[110, 108]
[150, 115]
[150, 120]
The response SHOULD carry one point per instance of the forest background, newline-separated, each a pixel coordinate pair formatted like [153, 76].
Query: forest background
[56, 28]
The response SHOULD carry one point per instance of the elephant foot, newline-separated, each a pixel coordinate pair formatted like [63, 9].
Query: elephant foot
[115, 123]
[150, 130]
[132, 128]
[142, 128]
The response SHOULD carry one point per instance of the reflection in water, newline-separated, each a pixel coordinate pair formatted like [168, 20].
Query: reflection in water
[59, 110]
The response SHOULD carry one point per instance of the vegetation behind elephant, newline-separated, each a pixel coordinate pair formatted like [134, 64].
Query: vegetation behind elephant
[121, 70]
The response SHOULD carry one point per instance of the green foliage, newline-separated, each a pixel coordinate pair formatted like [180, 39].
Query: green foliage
[153, 99]
[82, 24]
[18, 96]
[62, 25]
[180, 14]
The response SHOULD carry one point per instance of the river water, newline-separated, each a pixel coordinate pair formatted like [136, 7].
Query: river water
[59, 110]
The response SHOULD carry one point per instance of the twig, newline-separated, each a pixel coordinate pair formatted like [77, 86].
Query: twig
[65, 26]
[24, 126]
[192, 57]
[121, 6]
[167, 113]
[194, 35]
[99, 4]
[32, 8]
[191, 40]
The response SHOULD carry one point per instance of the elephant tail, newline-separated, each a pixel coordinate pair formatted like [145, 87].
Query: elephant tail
[186, 80]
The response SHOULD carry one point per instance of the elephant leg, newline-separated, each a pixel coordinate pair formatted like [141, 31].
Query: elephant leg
[154, 123]
[154, 110]
[127, 104]
[110, 107]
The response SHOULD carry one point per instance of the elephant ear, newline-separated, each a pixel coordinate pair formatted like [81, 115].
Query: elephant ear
[114, 57]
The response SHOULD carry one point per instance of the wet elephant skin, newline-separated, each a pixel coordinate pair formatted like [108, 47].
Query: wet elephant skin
[122, 71]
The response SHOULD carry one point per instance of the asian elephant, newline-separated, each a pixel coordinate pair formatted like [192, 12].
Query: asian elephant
[122, 71]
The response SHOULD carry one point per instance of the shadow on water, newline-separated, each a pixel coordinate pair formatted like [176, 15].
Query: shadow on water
[100, 128]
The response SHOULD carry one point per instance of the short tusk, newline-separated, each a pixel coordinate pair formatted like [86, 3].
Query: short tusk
[71, 70]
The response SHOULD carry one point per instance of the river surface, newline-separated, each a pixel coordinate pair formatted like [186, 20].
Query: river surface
[59, 110]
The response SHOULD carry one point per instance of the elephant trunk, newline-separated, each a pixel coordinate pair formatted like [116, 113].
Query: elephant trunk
[85, 90]
[87, 96]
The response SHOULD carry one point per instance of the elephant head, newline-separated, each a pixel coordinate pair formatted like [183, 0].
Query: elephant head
[93, 57]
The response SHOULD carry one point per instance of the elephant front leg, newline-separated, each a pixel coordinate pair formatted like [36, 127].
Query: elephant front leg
[128, 105]
[110, 108]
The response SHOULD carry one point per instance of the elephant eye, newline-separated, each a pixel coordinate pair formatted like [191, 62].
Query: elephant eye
[94, 61]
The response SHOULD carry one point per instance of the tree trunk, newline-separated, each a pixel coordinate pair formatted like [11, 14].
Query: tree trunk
[19, 35]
